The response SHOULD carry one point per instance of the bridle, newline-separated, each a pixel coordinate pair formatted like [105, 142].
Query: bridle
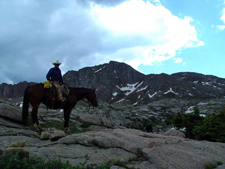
[86, 101]
[89, 104]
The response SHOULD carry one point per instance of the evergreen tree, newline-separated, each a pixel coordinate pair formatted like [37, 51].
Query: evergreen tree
[211, 127]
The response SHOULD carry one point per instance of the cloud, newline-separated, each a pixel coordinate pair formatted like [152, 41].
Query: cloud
[36, 33]
[223, 15]
[178, 60]
[147, 33]
[222, 27]
[86, 33]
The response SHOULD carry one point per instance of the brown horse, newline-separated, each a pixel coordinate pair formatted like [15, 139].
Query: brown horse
[37, 94]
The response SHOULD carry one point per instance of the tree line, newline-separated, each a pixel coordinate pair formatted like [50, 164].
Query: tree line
[211, 127]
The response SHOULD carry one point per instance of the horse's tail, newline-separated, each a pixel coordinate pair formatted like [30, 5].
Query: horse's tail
[25, 107]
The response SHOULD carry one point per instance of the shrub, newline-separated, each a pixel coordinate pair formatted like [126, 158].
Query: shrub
[189, 121]
[211, 166]
[211, 127]
[8, 161]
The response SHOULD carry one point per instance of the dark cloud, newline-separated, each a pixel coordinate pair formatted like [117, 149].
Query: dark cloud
[35, 34]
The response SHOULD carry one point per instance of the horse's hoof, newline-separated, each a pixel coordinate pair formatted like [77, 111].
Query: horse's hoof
[39, 127]
[35, 127]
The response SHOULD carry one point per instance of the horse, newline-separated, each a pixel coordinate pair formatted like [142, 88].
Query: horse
[37, 94]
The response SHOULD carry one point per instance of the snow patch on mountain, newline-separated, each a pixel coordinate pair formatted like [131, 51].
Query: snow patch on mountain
[139, 90]
[99, 70]
[129, 88]
[190, 109]
[115, 94]
[151, 96]
[171, 91]
[120, 100]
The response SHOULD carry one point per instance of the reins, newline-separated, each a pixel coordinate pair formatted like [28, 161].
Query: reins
[88, 102]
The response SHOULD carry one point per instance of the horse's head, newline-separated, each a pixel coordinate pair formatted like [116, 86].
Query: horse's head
[92, 98]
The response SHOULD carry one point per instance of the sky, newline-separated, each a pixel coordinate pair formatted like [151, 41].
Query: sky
[152, 36]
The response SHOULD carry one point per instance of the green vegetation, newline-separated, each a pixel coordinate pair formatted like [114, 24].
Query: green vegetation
[16, 162]
[211, 166]
[72, 127]
[115, 108]
[8, 161]
[151, 121]
[211, 127]
[17, 144]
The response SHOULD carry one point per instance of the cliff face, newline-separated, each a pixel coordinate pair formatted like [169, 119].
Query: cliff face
[117, 82]
[13, 91]
[105, 78]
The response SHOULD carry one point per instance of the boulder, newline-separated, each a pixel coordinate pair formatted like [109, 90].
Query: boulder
[45, 135]
[107, 123]
[161, 151]
[88, 118]
[52, 134]
[57, 134]
[10, 111]
[18, 144]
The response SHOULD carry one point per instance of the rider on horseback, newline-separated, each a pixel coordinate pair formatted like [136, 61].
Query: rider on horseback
[54, 76]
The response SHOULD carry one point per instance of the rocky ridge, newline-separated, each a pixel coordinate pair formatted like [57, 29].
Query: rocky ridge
[120, 83]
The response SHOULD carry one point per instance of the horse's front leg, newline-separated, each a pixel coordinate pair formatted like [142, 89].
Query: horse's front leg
[67, 112]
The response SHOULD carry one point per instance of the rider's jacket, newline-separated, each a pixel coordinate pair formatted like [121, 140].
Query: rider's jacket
[54, 74]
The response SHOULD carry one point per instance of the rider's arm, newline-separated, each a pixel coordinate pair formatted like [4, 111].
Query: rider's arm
[49, 74]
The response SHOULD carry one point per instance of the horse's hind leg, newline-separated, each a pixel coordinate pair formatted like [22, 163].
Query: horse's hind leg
[34, 117]
[67, 112]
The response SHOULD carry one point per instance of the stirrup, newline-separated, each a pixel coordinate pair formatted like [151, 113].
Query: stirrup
[63, 100]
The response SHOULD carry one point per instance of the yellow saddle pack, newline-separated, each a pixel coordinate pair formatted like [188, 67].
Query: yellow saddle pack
[47, 84]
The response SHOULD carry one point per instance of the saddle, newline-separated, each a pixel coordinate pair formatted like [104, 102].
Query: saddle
[65, 90]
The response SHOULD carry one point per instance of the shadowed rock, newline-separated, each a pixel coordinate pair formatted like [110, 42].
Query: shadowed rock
[10, 111]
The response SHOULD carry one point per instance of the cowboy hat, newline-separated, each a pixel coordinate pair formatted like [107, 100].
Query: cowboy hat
[56, 62]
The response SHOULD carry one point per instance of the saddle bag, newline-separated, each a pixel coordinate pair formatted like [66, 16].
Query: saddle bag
[47, 84]
[65, 89]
